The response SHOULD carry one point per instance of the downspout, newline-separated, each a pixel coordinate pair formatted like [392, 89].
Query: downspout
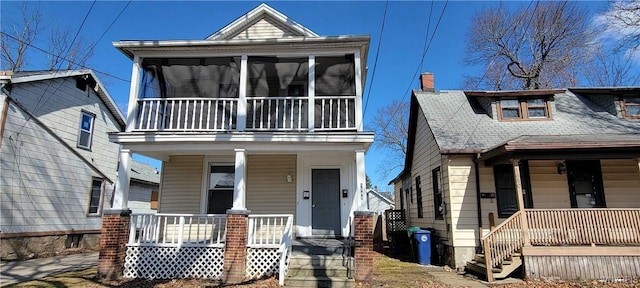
[478, 198]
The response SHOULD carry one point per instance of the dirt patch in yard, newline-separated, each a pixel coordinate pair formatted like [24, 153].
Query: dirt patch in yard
[87, 278]
[390, 272]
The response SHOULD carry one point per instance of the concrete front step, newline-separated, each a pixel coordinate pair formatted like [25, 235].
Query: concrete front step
[318, 271]
[315, 271]
[319, 281]
[317, 261]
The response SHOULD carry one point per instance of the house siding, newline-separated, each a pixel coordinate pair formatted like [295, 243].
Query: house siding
[268, 191]
[621, 183]
[140, 198]
[181, 188]
[58, 104]
[549, 189]
[264, 29]
[44, 186]
[462, 203]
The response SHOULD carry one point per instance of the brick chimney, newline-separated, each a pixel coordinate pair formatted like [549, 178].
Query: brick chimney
[426, 82]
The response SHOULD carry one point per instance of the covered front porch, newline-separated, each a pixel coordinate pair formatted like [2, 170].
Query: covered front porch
[238, 202]
[566, 207]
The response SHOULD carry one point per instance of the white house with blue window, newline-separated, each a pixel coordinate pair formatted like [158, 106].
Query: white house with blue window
[58, 167]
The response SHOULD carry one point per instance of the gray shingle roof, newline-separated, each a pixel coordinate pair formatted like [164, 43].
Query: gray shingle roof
[144, 172]
[459, 122]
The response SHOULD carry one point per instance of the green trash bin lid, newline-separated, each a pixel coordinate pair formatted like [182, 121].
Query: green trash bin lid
[412, 230]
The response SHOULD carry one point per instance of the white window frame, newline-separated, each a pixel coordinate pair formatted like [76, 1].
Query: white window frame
[100, 202]
[206, 171]
[90, 131]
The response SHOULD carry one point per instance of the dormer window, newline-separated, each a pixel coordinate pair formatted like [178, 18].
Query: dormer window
[631, 107]
[513, 109]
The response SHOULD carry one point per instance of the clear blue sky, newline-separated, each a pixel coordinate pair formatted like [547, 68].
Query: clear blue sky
[401, 48]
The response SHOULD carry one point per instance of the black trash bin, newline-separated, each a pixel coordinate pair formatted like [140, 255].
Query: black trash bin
[423, 246]
[435, 245]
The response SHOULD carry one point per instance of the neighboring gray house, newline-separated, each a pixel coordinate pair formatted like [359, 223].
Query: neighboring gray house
[377, 202]
[144, 187]
[58, 168]
[544, 178]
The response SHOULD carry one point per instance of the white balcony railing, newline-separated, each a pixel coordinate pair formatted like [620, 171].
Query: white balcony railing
[182, 114]
[329, 113]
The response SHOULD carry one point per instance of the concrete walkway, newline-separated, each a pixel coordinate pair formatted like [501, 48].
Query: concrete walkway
[20, 271]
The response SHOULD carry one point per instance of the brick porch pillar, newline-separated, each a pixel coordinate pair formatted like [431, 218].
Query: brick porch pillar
[113, 240]
[364, 254]
[235, 252]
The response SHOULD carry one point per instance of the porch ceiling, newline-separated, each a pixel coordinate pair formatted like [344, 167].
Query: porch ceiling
[593, 146]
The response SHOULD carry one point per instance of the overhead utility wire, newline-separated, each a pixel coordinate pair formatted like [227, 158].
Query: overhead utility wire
[484, 74]
[50, 53]
[375, 63]
[420, 64]
[66, 53]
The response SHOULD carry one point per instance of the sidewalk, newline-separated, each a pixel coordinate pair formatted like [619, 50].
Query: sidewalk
[20, 271]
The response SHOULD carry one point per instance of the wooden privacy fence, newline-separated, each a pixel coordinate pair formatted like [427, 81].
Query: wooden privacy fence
[583, 226]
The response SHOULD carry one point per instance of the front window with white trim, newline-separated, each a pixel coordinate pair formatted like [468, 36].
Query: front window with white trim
[85, 134]
[220, 188]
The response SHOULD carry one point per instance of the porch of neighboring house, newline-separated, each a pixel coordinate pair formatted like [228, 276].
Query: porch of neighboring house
[575, 213]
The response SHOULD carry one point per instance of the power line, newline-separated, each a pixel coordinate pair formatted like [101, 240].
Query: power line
[66, 55]
[375, 63]
[68, 60]
[422, 60]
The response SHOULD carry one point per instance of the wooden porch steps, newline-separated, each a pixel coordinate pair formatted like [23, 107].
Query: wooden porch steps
[319, 264]
[503, 270]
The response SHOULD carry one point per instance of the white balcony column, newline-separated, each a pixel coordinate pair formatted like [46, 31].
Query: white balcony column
[121, 194]
[311, 107]
[239, 187]
[358, 68]
[242, 95]
[132, 107]
[361, 180]
[523, 215]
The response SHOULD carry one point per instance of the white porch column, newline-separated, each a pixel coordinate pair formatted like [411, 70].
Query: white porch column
[239, 190]
[361, 180]
[523, 215]
[133, 94]
[242, 95]
[359, 91]
[121, 194]
[311, 107]
[638, 161]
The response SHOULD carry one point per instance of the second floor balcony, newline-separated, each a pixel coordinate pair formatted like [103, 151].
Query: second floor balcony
[249, 93]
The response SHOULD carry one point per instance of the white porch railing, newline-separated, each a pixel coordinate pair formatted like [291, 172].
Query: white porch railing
[277, 113]
[330, 113]
[269, 245]
[176, 230]
[181, 114]
[335, 113]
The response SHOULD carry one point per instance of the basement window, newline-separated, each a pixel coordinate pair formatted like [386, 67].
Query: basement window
[510, 109]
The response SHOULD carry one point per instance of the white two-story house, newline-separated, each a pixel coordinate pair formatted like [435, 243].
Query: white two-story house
[263, 115]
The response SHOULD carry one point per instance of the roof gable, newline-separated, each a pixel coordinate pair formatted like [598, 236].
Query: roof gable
[103, 94]
[263, 22]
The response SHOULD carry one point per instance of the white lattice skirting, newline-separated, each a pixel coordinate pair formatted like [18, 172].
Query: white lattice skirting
[262, 262]
[173, 262]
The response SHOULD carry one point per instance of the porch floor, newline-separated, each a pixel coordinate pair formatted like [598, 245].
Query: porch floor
[315, 246]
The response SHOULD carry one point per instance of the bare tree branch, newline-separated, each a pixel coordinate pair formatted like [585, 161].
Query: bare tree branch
[527, 49]
[391, 126]
[14, 55]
